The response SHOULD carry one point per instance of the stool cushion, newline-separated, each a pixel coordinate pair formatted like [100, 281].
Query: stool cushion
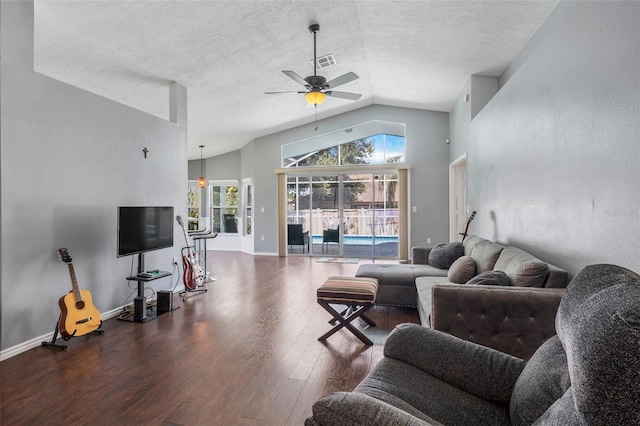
[349, 289]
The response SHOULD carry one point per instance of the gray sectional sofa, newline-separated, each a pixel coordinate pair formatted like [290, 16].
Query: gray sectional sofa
[586, 375]
[515, 318]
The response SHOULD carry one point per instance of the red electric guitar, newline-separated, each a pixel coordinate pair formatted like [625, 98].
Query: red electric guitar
[192, 276]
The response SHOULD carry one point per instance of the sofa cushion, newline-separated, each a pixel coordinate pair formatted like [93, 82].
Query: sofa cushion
[443, 255]
[470, 242]
[490, 278]
[424, 287]
[462, 270]
[392, 274]
[543, 381]
[523, 269]
[484, 252]
[397, 283]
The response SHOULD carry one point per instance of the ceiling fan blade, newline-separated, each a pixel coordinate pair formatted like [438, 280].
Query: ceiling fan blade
[296, 77]
[343, 95]
[343, 79]
[289, 91]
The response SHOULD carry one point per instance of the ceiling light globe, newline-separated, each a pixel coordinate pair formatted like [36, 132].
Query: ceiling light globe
[315, 98]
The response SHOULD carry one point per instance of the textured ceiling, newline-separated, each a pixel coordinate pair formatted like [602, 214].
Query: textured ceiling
[415, 54]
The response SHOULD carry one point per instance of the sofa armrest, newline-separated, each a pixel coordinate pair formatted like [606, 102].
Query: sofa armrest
[357, 409]
[481, 371]
[420, 255]
[514, 320]
[556, 278]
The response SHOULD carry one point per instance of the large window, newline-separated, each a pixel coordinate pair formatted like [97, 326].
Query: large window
[224, 206]
[370, 143]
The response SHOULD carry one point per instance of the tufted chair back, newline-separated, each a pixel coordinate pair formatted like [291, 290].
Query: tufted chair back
[589, 373]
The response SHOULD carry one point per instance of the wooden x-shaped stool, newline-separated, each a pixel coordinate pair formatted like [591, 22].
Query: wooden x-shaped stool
[358, 294]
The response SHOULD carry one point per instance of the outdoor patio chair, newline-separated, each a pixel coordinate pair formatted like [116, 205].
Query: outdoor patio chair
[330, 236]
[295, 236]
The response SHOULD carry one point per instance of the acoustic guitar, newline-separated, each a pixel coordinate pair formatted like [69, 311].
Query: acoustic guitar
[78, 315]
[192, 276]
[466, 228]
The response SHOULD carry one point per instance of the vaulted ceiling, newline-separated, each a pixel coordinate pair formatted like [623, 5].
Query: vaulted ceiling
[416, 54]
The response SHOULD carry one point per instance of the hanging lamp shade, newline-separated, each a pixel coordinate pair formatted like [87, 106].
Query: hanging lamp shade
[202, 181]
[315, 97]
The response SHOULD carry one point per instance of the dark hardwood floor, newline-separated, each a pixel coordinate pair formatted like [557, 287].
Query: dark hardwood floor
[244, 353]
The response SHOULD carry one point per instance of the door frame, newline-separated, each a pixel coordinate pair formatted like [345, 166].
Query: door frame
[457, 191]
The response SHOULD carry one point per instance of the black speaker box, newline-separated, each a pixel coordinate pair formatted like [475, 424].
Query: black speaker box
[165, 301]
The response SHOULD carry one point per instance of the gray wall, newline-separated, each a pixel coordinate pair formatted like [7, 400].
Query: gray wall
[459, 124]
[224, 166]
[68, 159]
[553, 158]
[426, 151]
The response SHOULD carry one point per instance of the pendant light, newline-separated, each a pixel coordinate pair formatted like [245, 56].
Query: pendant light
[202, 180]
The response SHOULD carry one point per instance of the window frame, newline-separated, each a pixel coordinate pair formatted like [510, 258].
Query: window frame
[217, 226]
[247, 207]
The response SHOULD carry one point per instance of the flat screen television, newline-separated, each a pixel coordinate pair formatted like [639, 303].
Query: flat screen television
[143, 229]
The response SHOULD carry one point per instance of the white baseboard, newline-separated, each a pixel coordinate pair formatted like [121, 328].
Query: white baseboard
[37, 341]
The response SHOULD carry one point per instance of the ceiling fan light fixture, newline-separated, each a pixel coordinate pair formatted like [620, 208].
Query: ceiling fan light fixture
[317, 88]
[315, 98]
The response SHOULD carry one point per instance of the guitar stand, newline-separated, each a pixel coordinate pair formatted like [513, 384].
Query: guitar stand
[53, 343]
[200, 240]
[197, 290]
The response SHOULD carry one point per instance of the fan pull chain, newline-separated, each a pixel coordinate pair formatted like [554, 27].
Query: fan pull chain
[315, 107]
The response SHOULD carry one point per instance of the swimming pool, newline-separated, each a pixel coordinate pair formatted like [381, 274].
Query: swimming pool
[361, 240]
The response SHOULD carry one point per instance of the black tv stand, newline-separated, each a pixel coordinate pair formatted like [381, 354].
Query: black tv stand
[140, 311]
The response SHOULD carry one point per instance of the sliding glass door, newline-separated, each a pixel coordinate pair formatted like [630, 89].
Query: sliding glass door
[370, 209]
[358, 210]
[386, 215]
[326, 215]
[345, 215]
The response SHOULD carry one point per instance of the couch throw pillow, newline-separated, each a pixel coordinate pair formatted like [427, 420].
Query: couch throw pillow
[462, 270]
[490, 278]
[523, 269]
[443, 255]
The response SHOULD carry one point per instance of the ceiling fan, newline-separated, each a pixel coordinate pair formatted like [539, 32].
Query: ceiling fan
[317, 87]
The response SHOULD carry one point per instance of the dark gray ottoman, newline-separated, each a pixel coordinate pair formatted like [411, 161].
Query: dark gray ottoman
[397, 283]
